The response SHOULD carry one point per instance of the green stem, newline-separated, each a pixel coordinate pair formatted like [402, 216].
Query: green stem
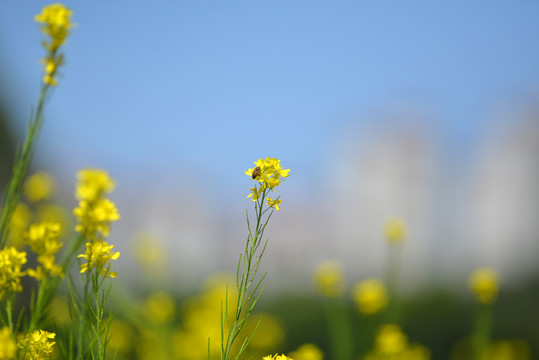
[340, 329]
[392, 279]
[13, 191]
[482, 329]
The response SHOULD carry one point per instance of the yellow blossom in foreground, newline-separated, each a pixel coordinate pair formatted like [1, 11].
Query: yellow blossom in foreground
[98, 256]
[269, 173]
[55, 20]
[307, 352]
[7, 345]
[37, 345]
[329, 279]
[395, 230]
[276, 357]
[11, 262]
[484, 284]
[93, 184]
[370, 296]
[38, 187]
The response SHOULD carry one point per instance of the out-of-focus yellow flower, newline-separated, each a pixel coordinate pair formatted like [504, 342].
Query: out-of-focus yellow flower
[38, 187]
[7, 345]
[37, 345]
[390, 339]
[307, 352]
[11, 262]
[53, 213]
[395, 230]
[508, 350]
[269, 334]
[329, 279]
[98, 256]
[43, 240]
[93, 184]
[370, 296]
[59, 310]
[160, 307]
[121, 336]
[484, 284]
[392, 343]
[150, 253]
[276, 357]
[22, 216]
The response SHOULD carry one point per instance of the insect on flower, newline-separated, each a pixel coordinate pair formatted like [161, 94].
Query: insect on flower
[257, 172]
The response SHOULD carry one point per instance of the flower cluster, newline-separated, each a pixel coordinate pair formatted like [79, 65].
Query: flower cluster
[37, 345]
[392, 343]
[370, 296]
[55, 20]
[276, 357]
[43, 240]
[95, 214]
[307, 352]
[329, 279]
[11, 262]
[484, 284]
[269, 173]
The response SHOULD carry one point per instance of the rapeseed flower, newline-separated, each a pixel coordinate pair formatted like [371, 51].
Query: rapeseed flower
[37, 345]
[274, 203]
[95, 212]
[93, 184]
[276, 357]
[98, 256]
[39, 187]
[307, 352]
[55, 20]
[329, 279]
[392, 343]
[395, 230]
[11, 262]
[370, 296]
[269, 173]
[160, 307]
[43, 240]
[484, 284]
[22, 216]
[8, 347]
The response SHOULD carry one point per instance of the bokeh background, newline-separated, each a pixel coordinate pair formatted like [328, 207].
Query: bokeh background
[422, 110]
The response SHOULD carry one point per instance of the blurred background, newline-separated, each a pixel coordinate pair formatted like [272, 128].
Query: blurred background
[420, 110]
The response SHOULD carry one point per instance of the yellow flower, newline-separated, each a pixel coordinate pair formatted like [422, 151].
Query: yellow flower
[11, 262]
[391, 340]
[93, 184]
[19, 223]
[255, 193]
[274, 203]
[329, 279]
[38, 187]
[98, 256]
[55, 22]
[43, 240]
[95, 218]
[276, 357]
[7, 345]
[370, 296]
[307, 352]
[271, 173]
[37, 345]
[160, 307]
[395, 230]
[484, 284]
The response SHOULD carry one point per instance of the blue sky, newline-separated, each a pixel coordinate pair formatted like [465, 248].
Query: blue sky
[196, 86]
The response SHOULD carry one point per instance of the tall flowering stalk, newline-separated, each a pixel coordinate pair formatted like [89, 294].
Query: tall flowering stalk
[56, 24]
[95, 213]
[268, 175]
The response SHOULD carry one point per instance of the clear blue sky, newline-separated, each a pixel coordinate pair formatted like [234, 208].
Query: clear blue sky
[210, 86]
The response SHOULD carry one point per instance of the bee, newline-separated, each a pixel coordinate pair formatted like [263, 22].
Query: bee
[257, 172]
